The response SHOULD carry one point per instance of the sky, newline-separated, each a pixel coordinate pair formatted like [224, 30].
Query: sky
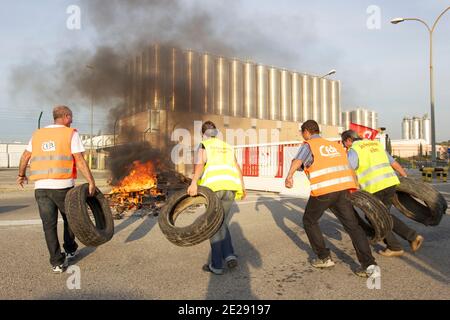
[381, 68]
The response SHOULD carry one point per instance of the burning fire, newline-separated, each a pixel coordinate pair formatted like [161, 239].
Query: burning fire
[142, 176]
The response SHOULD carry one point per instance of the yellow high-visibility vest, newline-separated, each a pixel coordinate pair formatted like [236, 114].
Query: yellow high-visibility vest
[220, 172]
[374, 170]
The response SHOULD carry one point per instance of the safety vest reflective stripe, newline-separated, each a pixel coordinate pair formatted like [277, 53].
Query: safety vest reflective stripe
[52, 158]
[322, 172]
[221, 178]
[213, 168]
[372, 169]
[378, 179]
[51, 170]
[332, 182]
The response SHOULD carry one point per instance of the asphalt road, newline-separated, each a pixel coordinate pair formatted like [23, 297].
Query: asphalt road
[273, 250]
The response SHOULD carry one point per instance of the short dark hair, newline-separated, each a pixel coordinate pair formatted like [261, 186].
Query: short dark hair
[312, 127]
[350, 134]
[209, 129]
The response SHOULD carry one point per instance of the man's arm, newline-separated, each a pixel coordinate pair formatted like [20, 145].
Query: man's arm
[397, 167]
[84, 169]
[241, 176]
[295, 165]
[22, 177]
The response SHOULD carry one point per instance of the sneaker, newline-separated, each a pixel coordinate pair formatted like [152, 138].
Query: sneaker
[417, 243]
[323, 263]
[371, 271]
[62, 267]
[231, 262]
[391, 253]
[207, 268]
[71, 255]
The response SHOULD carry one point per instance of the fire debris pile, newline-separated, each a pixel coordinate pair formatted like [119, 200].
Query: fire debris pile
[141, 180]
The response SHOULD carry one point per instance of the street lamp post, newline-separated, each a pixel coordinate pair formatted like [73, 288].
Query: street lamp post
[430, 30]
[333, 71]
[92, 120]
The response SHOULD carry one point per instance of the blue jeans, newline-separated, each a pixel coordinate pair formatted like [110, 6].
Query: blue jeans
[49, 202]
[221, 245]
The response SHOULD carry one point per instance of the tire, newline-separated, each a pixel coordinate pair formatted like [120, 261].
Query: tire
[378, 216]
[379, 222]
[76, 204]
[203, 228]
[419, 201]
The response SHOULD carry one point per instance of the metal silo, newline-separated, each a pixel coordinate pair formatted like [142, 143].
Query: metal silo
[207, 78]
[374, 120]
[306, 98]
[324, 102]
[316, 99]
[274, 94]
[138, 84]
[178, 81]
[416, 128]
[427, 129]
[406, 129]
[336, 104]
[286, 96]
[222, 87]
[346, 120]
[262, 83]
[237, 89]
[296, 97]
[193, 81]
[250, 93]
[356, 116]
[366, 118]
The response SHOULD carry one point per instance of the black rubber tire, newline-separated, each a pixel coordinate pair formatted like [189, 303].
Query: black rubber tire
[203, 228]
[76, 205]
[405, 200]
[379, 220]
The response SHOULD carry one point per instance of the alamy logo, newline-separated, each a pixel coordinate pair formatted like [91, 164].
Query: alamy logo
[49, 146]
[329, 151]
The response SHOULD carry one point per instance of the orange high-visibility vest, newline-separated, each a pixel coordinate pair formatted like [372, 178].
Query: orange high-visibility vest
[51, 156]
[330, 171]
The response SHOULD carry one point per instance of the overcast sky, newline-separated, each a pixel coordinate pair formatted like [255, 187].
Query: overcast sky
[383, 69]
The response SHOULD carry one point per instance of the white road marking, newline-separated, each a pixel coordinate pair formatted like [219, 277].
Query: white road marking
[33, 222]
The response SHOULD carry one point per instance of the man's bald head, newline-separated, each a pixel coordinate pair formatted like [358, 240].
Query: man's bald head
[59, 112]
[62, 115]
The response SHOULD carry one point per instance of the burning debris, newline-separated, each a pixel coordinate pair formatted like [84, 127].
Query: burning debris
[140, 181]
[138, 190]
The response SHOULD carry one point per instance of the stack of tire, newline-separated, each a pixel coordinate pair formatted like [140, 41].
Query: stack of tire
[203, 228]
[420, 202]
[76, 204]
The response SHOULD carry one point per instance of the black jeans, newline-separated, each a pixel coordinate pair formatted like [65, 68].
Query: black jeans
[49, 201]
[400, 228]
[343, 208]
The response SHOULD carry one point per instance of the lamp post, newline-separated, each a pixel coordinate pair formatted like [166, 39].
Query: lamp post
[92, 120]
[332, 71]
[430, 31]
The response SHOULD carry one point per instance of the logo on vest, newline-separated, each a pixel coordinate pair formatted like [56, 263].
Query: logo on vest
[49, 146]
[329, 151]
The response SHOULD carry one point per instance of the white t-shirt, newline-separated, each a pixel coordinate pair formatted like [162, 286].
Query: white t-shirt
[75, 147]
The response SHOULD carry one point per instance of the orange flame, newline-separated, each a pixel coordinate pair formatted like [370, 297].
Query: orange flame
[142, 176]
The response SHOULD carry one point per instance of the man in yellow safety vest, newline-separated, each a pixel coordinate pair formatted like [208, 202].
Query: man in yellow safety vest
[374, 168]
[216, 168]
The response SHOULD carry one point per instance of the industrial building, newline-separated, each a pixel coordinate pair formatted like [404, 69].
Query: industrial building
[170, 88]
[417, 128]
[364, 117]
